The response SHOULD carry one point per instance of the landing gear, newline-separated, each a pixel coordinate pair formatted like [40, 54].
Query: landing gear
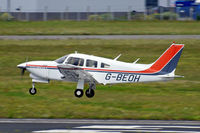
[89, 93]
[33, 90]
[78, 93]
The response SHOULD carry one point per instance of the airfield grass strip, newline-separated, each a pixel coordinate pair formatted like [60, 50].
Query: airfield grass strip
[174, 100]
[100, 28]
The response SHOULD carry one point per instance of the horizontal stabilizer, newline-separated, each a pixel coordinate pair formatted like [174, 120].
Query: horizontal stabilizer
[178, 76]
[175, 76]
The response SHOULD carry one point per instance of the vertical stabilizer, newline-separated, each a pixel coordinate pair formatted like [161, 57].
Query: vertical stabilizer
[168, 61]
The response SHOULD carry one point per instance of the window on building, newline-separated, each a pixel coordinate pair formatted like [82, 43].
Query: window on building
[151, 3]
[75, 61]
[104, 65]
[91, 63]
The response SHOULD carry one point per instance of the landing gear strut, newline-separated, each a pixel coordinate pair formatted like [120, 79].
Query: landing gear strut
[33, 90]
[80, 86]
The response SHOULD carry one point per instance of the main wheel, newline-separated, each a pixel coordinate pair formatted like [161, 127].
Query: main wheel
[89, 93]
[32, 91]
[78, 93]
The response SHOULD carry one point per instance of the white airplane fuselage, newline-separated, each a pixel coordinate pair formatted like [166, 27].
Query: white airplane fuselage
[119, 72]
[84, 68]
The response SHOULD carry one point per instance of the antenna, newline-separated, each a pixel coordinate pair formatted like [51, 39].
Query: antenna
[118, 57]
[76, 52]
[136, 61]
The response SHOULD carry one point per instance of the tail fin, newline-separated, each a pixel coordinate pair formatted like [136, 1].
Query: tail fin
[168, 61]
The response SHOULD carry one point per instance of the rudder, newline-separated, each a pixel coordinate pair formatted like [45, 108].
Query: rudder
[168, 61]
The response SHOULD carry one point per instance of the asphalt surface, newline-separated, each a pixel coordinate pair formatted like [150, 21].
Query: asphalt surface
[96, 126]
[20, 37]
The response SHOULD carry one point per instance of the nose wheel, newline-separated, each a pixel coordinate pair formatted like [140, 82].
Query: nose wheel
[33, 90]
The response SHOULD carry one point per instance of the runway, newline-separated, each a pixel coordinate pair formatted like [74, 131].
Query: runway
[96, 126]
[38, 37]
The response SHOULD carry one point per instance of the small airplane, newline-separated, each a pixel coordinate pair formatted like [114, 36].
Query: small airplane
[89, 69]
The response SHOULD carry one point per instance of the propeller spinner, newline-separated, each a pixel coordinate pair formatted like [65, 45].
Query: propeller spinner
[23, 67]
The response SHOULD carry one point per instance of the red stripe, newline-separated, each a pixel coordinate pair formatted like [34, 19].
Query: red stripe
[108, 70]
[158, 65]
[164, 59]
[42, 66]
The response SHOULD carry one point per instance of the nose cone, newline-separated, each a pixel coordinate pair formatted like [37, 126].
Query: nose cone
[22, 65]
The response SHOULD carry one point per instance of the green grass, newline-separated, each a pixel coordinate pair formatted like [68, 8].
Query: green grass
[100, 28]
[174, 100]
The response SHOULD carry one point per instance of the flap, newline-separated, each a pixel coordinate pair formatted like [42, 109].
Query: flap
[75, 72]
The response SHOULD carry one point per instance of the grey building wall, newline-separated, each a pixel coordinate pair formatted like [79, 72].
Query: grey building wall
[79, 5]
[75, 9]
[23, 5]
[92, 5]
[3, 5]
[74, 5]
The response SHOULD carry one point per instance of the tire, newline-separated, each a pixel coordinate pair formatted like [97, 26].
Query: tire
[32, 91]
[89, 93]
[78, 93]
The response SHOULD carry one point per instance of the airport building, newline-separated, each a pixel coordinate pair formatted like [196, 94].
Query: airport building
[54, 8]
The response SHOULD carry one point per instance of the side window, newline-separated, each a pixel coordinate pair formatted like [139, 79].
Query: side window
[75, 61]
[91, 63]
[104, 65]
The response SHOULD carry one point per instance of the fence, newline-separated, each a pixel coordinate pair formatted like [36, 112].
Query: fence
[156, 13]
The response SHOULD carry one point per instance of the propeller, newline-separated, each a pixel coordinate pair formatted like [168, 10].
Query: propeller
[23, 67]
[26, 59]
[23, 71]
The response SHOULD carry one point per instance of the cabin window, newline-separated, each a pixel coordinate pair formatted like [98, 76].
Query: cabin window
[104, 65]
[75, 61]
[91, 63]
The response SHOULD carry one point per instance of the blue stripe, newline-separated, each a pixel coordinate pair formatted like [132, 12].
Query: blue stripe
[171, 65]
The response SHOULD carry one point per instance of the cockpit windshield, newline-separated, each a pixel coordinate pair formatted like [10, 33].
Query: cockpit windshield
[61, 59]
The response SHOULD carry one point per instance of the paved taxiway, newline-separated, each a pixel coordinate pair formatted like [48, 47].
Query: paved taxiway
[96, 126]
[26, 37]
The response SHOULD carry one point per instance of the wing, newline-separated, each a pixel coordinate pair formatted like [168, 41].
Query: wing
[74, 73]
